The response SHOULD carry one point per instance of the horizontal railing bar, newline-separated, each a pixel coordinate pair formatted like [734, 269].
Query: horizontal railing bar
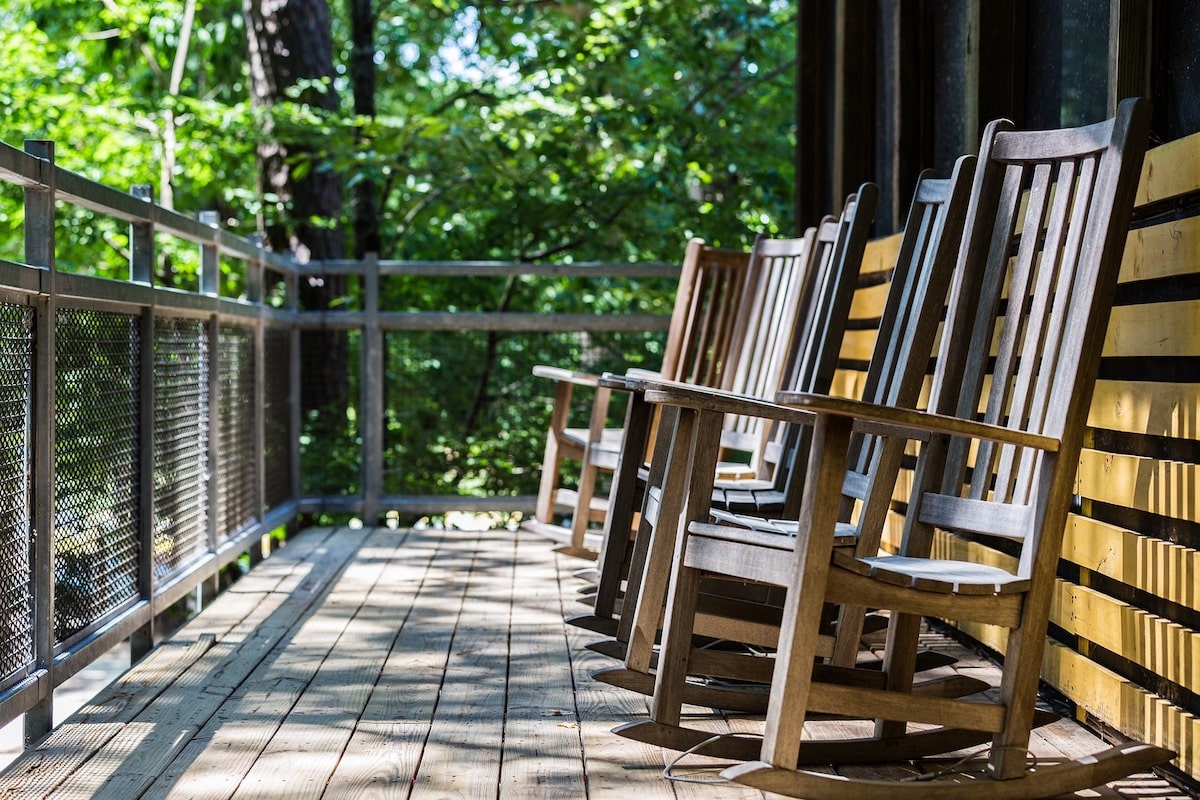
[20, 168]
[24, 694]
[486, 321]
[419, 504]
[24, 170]
[89, 287]
[77, 657]
[436, 504]
[167, 299]
[22, 277]
[495, 269]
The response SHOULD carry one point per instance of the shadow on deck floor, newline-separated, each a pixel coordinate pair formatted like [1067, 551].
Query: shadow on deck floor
[372, 663]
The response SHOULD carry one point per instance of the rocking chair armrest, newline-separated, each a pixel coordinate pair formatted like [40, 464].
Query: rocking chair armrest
[622, 383]
[878, 418]
[571, 376]
[703, 398]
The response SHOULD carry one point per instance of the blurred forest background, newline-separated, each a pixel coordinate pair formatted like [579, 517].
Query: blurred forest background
[548, 130]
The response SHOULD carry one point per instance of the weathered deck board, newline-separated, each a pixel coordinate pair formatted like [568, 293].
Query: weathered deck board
[381, 664]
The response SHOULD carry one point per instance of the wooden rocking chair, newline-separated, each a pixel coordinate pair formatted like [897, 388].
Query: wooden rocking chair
[1048, 220]
[899, 365]
[804, 349]
[704, 327]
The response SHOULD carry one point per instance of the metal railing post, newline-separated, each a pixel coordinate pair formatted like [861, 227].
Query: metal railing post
[39, 252]
[254, 293]
[210, 285]
[372, 393]
[295, 420]
[141, 270]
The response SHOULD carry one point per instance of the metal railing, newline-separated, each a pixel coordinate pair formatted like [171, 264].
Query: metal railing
[150, 436]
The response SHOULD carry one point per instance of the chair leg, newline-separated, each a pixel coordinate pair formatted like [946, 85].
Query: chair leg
[672, 674]
[621, 498]
[583, 501]
[656, 570]
[551, 458]
[899, 664]
[669, 421]
[805, 602]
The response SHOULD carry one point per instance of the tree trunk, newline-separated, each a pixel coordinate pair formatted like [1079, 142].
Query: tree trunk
[364, 204]
[290, 41]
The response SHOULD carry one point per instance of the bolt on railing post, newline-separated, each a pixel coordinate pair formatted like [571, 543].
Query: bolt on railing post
[141, 270]
[372, 393]
[210, 284]
[39, 252]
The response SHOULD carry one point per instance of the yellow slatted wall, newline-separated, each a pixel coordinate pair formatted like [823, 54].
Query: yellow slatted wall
[1124, 641]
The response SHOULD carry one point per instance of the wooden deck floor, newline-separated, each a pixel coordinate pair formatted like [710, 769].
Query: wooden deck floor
[380, 663]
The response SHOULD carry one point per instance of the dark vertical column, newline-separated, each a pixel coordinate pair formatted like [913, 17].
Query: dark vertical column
[810, 164]
[854, 98]
[1129, 35]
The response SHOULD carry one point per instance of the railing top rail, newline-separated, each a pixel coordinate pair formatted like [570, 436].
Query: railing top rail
[493, 268]
[23, 169]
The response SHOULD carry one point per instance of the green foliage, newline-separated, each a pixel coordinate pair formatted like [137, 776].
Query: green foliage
[610, 130]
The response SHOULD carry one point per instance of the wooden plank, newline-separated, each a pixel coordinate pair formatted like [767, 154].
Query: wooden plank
[215, 762]
[1125, 706]
[385, 751]
[462, 754]
[79, 738]
[616, 768]
[869, 301]
[1161, 646]
[1147, 484]
[880, 254]
[1158, 409]
[1151, 565]
[1154, 329]
[335, 656]
[129, 762]
[1170, 170]
[1166, 250]
[542, 755]
[858, 345]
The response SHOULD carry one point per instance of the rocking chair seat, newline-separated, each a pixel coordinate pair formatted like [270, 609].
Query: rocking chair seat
[934, 574]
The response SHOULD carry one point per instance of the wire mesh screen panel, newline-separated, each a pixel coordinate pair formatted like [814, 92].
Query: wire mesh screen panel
[330, 449]
[277, 435]
[236, 491]
[96, 466]
[16, 599]
[181, 432]
[463, 413]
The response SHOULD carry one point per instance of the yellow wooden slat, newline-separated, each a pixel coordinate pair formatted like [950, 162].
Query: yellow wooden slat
[1154, 329]
[1124, 705]
[1158, 409]
[1162, 251]
[858, 345]
[1156, 567]
[1161, 646]
[848, 383]
[1168, 488]
[880, 254]
[1170, 170]
[868, 301]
